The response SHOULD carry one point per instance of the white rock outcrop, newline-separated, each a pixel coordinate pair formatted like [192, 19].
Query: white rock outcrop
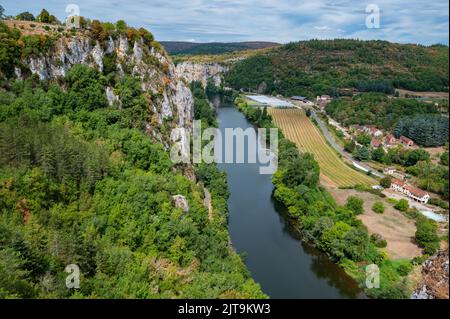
[181, 202]
[113, 99]
[201, 72]
[171, 98]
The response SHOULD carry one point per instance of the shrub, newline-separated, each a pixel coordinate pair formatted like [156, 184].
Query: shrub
[404, 269]
[402, 205]
[438, 202]
[426, 235]
[419, 260]
[386, 182]
[355, 204]
[378, 208]
[378, 241]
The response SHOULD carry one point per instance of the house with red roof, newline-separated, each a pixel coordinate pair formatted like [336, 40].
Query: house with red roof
[376, 143]
[406, 141]
[390, 141]
[410, 191]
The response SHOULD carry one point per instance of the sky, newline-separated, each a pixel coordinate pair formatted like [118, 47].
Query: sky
[404, 21]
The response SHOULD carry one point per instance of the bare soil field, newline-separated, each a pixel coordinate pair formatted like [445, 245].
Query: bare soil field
[398, 230]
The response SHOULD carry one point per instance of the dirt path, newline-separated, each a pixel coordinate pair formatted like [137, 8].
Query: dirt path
[398, 230]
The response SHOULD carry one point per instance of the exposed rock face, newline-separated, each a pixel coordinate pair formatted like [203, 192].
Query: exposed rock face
[181, 202]
[113, 99]
[201, 72]
[435, 278]
[171, 99]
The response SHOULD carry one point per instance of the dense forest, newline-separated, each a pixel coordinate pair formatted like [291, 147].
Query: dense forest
[82, 183]
[314, 67]
[426, 130]
[376, 109]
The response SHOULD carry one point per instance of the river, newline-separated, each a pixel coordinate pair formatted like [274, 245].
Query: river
[284, 265]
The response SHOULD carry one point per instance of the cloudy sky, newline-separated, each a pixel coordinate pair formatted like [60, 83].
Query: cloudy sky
[412, 21]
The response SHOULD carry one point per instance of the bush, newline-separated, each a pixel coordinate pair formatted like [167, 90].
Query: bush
[386, 182]
[378, 208]
[426, 235]
[419, 260]
[444, 159]
[355, 204]
[404, 269]
[402, 205]
[378, 241]
[438, 202]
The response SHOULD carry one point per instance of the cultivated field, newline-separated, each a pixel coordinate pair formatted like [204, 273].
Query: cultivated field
[299, 129]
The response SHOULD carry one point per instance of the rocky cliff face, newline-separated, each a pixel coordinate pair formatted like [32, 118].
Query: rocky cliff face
[435, 278]
[201, 72]
[171, 100]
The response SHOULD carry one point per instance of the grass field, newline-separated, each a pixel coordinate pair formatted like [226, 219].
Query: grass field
[298, 128]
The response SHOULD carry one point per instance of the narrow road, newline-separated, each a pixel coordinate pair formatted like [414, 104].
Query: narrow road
[341, 151]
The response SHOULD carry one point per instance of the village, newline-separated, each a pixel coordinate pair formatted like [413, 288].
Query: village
[401, 183]
[380, 138]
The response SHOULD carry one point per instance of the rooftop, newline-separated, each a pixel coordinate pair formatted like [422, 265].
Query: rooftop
[269, 101]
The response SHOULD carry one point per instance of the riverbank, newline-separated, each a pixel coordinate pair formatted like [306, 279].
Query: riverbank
[260, 229]
[333, 229]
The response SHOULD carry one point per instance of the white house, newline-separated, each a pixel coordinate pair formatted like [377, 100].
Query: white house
[390, 170]
[410, 191]
[372, 130]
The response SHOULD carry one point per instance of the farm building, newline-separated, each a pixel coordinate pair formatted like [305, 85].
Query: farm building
[410, 191]
[299, 98]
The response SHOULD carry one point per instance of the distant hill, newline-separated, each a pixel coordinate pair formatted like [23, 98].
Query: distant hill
[334, 66]
[192, 48]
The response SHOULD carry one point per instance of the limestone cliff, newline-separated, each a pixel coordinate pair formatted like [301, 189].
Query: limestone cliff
[171, 101]
[201, 72]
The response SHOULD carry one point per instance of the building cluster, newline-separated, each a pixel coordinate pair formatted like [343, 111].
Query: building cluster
[392, 171]
[410, 191]
[387, 142]
[391, 141]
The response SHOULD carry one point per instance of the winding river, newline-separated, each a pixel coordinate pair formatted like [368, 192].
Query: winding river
[284, 265]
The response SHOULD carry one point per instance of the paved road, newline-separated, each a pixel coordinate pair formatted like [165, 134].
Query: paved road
[338, 148]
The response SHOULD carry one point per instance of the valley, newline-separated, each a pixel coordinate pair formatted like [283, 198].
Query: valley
[98, 166]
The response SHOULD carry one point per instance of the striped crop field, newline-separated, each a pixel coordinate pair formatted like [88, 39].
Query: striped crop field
[298, 128]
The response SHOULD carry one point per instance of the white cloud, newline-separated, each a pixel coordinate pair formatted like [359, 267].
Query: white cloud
[417, 21]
